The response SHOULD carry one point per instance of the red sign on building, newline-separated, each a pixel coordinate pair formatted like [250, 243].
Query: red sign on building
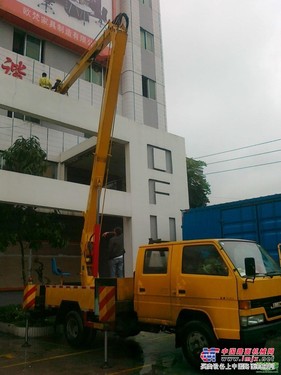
[14, 69]
[69, 23]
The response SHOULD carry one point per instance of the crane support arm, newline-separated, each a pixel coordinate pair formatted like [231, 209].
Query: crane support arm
[116, 34]
[94, 50]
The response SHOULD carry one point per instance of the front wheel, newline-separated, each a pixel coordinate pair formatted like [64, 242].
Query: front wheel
[196, 336]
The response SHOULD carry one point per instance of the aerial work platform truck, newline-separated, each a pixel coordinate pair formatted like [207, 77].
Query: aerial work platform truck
[208, 292]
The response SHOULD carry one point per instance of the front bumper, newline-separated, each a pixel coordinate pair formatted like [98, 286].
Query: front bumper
[259, 333]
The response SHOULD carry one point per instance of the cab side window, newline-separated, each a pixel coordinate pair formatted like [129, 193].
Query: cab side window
[156, 261]
[203, 260]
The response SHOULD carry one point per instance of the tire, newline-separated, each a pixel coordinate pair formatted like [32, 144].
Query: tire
[196, 335]
[74, 331]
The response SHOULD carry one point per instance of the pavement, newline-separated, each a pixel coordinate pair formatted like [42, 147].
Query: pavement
[144, 354]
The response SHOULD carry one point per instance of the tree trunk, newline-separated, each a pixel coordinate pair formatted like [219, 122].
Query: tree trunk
[22, 262]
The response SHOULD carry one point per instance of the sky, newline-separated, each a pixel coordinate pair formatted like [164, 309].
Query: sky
[222, 67]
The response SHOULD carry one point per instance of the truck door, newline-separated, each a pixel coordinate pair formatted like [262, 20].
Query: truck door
[152, 288]
[205, 283]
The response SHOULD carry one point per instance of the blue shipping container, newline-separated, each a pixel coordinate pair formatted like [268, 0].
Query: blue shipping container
[257, 219]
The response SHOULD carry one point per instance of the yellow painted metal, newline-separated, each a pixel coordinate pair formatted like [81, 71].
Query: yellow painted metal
[118, 38]
[107, 303]
[90, 55]
[125, 289]
[102, 326]
[160, 298]
[85, 296]
[29, 296]
[115, 35]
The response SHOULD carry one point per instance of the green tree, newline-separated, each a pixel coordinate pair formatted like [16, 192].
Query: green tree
[26, 156]
[26, 225]
[198, 187]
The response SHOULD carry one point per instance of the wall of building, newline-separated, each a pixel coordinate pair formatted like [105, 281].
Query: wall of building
[139, 62]
[136, 202]
[156, 186]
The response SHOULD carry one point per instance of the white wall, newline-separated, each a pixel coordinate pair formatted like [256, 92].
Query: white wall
[48, 193]
[133, 205]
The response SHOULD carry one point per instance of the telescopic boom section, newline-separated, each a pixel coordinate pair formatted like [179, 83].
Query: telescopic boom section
[116, 35]
[97, 46]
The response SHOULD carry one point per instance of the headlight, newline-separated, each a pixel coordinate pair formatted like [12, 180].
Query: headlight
[251, 320]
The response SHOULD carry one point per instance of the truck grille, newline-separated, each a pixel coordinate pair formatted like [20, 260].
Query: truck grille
[272, 305]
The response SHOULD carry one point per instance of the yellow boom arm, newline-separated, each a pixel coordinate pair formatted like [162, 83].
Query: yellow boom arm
[116, 35]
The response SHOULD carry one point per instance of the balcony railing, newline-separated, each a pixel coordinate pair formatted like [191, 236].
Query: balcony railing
[23, 67]
[52, 141]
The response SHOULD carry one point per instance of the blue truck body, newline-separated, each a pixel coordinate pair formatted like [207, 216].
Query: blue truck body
[257, 219]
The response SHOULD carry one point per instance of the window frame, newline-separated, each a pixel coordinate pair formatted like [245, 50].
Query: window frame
[148, 88]
[91, 73]
[147, 40]
[23, 117]
[147, 2]
[25, 44]
[161, 268]
[199, 261]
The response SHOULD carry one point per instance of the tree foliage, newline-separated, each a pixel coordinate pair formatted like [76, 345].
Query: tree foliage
[198, 187]
[25, 156]
[25, 225]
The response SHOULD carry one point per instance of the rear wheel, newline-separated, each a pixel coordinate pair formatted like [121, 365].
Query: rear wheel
[76, 334]
[196, 336]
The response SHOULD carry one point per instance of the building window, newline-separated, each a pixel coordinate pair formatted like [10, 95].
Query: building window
[172, 228]
[153, 227]
[2, 161]
[51, 170]
[79, 169]
[27, 45]
[147, 40]
[146, 2]
[148, 88]
[159, 159]
[94, 74]
[156, 188]
[23, 117]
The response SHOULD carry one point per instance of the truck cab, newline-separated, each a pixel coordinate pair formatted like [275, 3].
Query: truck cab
[208, 292]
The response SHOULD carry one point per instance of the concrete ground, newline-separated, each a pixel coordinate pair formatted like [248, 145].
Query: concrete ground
[144, 354]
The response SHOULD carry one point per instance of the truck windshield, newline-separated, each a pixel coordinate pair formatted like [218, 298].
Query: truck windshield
[239, 250]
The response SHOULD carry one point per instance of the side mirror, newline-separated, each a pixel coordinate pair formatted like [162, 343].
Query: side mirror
[250, 267]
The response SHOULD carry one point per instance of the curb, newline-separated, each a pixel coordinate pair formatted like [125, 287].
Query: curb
[32, 331]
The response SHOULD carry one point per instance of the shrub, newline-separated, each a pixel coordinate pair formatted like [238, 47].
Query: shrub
[13, 314]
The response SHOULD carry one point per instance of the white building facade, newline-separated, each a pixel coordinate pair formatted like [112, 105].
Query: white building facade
[147, 184]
